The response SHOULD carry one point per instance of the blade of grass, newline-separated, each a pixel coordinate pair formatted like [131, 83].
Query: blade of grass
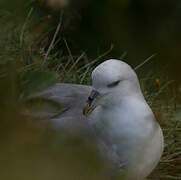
[74, 64]
[144, 62]
[84, 75]
[97, 59]
[162, 88]
[54, 37]
[71, 59]
[123, 55]
[24, 26]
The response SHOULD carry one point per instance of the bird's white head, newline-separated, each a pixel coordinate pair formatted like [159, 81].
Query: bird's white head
[112, 80]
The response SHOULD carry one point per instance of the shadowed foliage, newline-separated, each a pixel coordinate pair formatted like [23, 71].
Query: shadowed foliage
[40, 46]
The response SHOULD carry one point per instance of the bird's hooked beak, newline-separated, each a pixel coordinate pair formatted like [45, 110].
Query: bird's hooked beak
[92, 102]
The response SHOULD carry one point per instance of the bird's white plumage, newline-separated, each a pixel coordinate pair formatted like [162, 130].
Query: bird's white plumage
[123, 121]
[127, 133]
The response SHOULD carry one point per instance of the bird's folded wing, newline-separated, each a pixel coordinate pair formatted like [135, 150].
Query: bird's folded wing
[62, 104]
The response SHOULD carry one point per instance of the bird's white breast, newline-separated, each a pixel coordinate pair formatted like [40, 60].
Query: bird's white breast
[126, 129]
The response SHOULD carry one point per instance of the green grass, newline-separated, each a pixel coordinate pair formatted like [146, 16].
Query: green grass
[26, 64]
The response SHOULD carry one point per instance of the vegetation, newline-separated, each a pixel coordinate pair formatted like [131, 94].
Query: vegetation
[35, 54]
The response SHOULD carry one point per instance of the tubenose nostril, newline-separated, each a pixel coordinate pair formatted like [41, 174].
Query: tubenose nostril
[90, 99]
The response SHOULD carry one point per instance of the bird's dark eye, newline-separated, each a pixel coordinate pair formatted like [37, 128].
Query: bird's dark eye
[113, 84]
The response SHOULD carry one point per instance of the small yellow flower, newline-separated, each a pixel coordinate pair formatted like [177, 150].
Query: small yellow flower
[157, 81]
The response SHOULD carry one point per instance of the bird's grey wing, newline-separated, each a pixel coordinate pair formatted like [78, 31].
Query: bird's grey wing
[71, 99]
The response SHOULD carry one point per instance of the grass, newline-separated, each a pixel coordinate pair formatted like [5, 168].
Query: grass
[26, 64]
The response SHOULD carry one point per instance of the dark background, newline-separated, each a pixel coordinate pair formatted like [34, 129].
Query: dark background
[137, 29]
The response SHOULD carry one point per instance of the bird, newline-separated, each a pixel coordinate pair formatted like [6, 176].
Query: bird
[115, 112]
